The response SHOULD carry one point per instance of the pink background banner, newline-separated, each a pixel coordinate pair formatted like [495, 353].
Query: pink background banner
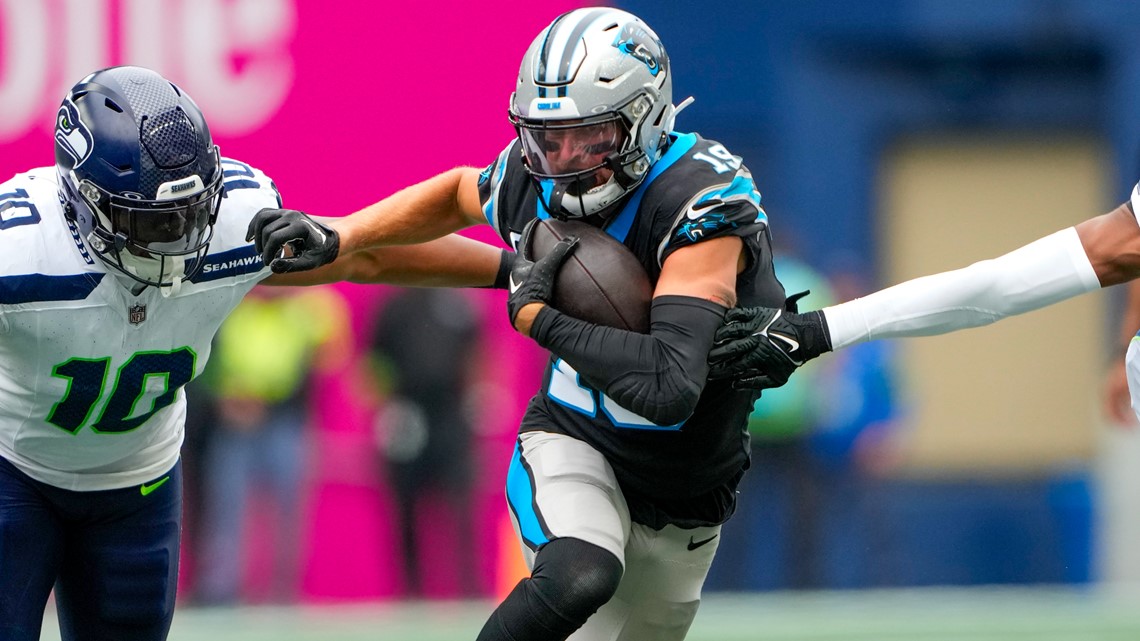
[342, 103]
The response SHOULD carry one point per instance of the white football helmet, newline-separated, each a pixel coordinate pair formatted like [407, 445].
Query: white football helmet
[593, 109]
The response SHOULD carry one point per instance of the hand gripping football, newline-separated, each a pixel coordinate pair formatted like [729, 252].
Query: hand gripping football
[602, 282]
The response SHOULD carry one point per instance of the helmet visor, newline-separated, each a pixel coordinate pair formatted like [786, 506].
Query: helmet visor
[175, 229]
[558, 150]
[158, 227]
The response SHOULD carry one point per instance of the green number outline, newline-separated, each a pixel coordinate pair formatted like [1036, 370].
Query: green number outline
[130, 385]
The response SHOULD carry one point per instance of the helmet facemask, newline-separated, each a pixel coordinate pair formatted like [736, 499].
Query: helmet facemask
[151, 241]
[575, 161]
[585, 166]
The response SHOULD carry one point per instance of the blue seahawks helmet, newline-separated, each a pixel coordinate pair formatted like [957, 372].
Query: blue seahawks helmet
[140, 177]
[593, 109]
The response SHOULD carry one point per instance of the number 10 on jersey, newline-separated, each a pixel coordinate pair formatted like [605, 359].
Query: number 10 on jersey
[87, 386]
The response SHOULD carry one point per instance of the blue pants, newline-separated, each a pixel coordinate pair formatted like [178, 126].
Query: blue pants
[112, 557]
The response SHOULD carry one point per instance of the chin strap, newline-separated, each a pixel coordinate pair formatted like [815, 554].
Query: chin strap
[177, 273]
[172, 289]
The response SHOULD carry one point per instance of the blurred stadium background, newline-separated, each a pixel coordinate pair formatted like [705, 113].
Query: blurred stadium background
[959, 487]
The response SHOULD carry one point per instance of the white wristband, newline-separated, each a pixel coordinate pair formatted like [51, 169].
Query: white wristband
[1039, 274]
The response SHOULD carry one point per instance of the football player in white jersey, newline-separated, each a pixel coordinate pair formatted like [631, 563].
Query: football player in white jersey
[761, 347]
[117, 266]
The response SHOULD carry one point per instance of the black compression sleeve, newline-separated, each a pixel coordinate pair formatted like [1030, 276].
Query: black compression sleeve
[658, 375]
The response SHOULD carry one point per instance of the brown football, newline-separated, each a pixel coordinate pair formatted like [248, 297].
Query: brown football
[602, 282]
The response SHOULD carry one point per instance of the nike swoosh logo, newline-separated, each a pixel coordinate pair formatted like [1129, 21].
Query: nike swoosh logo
[792, 343]
[696, 544]
[699, 209]
[514, 286]
[147, 489]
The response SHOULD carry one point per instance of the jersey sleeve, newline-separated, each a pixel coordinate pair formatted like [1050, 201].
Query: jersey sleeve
[729, 208]
[247, 191]
[248, 185]
[491, 188]
[506, 194]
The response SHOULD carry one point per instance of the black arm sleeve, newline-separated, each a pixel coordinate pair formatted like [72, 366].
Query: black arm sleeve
[658, 375]
[506, 262]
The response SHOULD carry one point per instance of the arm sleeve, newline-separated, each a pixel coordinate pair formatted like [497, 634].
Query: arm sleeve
[1037, 275]
[658, 375]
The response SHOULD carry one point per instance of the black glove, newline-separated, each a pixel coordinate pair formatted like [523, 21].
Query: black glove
[312, 244]
[533, 281]
[760, 347]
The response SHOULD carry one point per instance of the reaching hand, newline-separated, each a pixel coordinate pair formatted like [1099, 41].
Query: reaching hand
[311, 243]
[759, 347]
[533, 281]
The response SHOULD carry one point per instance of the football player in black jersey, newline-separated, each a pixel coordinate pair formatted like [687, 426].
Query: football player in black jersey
[627, 460]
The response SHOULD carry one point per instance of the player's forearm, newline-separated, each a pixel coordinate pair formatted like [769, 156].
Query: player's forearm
[423, 212]
[659, 375]
[1044, 272]
[451, 261]
[1112, 243]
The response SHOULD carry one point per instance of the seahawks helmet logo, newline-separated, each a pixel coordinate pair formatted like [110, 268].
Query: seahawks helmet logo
[636, 43]
[71, 134]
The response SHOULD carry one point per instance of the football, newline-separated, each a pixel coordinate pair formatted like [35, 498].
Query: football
[602, 282]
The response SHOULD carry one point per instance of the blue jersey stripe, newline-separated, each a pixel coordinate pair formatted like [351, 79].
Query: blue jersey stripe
[520, 498]
[621, 224]
[235, 262]
[31, 288]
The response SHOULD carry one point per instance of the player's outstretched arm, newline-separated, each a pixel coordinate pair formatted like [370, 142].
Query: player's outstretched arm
[1099, 252]
[451, 261]
[423, 212]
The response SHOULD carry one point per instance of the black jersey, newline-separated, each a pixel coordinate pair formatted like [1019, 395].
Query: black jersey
[685, 474]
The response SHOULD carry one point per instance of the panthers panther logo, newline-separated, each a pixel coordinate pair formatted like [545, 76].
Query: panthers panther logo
[71, 134]
[703, 226]
[638, 44]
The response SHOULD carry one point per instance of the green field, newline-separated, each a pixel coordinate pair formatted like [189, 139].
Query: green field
[968, 614]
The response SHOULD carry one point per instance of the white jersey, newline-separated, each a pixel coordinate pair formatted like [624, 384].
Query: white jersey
[91, 376]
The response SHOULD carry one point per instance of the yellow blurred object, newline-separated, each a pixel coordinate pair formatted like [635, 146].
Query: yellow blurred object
[266, 346]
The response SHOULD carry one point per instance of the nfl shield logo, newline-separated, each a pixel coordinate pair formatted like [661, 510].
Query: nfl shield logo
[137, 314]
